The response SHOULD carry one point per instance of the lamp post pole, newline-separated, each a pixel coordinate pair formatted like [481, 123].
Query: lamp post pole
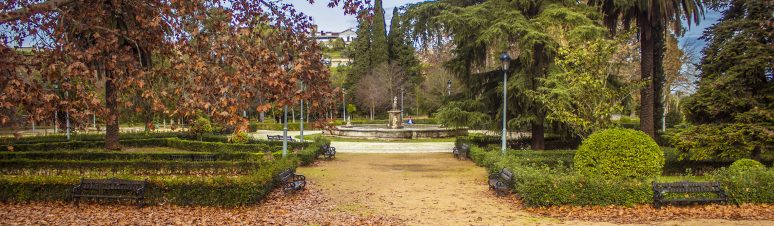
[302, 112]
[401, 103]
[505, 60]
[448, 88]
[344, 104]
[285, 132]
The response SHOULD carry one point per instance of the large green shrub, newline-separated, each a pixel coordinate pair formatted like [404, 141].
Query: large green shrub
[746, 165]
[619, 153]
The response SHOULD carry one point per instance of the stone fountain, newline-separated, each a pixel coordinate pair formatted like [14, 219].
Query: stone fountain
[395, 129]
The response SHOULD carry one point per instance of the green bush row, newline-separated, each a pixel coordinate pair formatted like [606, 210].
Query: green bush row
[550, 185]
[127, 167]
[73, 145]
[118, 155]
[189, 145]
[747, 186]
[58, 138]
[179, 190]
[544, 186]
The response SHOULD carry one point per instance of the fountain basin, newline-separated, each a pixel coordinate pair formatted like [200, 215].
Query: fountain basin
[407, 132]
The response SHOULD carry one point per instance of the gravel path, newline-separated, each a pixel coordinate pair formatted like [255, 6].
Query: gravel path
[392, 147]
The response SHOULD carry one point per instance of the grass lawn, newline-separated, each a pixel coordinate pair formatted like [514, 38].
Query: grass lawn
[344, 139]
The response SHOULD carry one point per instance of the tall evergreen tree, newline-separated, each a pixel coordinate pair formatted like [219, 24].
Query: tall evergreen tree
[360, 51]
[401, 50]
[378, 49]
[733, 108]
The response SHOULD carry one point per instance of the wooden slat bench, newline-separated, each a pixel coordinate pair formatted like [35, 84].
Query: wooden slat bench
[279, 138]
[660, 190]
[112, 188]
[291, 181]
[328, 151]
[461, 152]
[501, 182]
[193, 158]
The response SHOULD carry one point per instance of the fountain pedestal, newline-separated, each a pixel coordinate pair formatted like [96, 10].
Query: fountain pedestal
[395, 121]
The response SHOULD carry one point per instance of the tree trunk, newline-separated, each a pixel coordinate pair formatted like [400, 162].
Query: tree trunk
[658, 76]
[111, 121]
[538, 131]
[647, 44]
[372, 111]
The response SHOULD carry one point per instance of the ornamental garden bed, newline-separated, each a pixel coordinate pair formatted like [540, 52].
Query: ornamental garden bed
[179, 170]
[548, 178]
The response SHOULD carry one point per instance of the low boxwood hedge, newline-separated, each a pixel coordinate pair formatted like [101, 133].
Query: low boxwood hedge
[747, 186]
[539, 183]
[124, 167]
[118, 155]
[181, 190]
[58, 138]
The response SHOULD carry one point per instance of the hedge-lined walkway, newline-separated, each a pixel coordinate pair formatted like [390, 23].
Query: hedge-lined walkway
[420, 188]
[437, 189]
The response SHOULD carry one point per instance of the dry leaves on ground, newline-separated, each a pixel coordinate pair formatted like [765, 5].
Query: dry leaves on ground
[303, 208]
[646, 213]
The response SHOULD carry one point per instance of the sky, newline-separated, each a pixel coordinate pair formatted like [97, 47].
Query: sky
[333, 19]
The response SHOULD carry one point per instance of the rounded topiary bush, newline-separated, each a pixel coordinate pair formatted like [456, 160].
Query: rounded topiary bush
[619, 153]
[746, 165]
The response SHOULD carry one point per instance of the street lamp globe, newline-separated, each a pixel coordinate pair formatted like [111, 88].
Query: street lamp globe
[505, 59]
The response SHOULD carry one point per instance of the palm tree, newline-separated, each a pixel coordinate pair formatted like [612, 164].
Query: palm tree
[651, 16]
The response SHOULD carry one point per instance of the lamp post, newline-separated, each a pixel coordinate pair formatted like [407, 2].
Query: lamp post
[448, 88]
[285, 118]
[344, 104]
[302, 111]
[505, 59]
[401, 103]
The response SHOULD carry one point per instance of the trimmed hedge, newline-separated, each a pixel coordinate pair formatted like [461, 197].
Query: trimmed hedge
[180, 190]
[118, 155]
[747, 186]
[539, 183]
[552, 142]
[131, 167]
[543, 186]
[58, 138]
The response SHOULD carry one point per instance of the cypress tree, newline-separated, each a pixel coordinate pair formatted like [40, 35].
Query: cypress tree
[401, 49]
[378, 48]
[361, 56]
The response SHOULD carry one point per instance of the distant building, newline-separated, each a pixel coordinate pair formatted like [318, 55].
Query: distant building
[347, 36]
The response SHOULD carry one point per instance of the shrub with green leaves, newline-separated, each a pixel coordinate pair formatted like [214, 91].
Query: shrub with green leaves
[240, 138]
[619, 153]
[747, 186]
[201, 126]
[746, 165]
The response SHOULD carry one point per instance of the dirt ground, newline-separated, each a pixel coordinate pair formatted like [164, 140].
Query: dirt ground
[434, 189]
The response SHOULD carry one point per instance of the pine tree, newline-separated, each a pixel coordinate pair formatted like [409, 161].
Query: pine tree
[378, 49]
[733, 108]
[736, 68]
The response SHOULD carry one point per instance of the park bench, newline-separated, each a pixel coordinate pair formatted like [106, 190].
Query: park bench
[193, 158]
[291, 181]
[660, 190]
[501, 182]
[112, 188]
[328, 151]
[279, 138]
[462, 151]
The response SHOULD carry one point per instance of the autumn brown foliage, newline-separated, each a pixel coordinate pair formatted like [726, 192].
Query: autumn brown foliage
[167, 58]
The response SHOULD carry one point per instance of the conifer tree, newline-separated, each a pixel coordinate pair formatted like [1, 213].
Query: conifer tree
[378, 50]
[360, 52]
[401, 50]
